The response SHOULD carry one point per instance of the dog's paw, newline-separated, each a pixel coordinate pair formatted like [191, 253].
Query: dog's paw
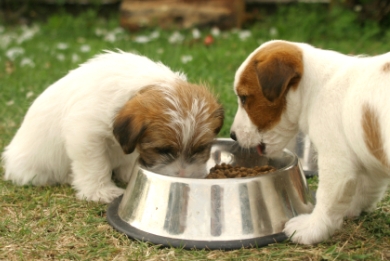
[103, 195]
[307, 229]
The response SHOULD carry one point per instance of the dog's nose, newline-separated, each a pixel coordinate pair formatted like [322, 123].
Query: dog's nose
[233, 135]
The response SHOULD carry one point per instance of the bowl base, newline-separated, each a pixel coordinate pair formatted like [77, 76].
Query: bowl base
[115, 221]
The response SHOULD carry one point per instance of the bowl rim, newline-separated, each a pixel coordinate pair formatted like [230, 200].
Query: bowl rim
[281, 171]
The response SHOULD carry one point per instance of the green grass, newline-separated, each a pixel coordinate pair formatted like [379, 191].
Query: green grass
[43, 223]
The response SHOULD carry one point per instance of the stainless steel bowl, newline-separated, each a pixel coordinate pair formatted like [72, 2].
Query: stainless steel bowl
[306, 152]
[214, 213]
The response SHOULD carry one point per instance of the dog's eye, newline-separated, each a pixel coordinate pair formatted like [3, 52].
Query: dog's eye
[164, 150]
[242, 99]
[200, 149]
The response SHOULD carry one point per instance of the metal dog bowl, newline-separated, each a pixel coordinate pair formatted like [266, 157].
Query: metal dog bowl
[307, 154]
[214, 213]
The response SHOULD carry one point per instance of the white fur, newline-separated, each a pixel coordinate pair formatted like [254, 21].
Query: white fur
[66, 135]
[327, 105]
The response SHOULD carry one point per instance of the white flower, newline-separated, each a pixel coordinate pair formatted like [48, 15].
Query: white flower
[85, 48]
[244, 34]
[176, 37]
[14, 52]
[62, 46]
[273, 31]
[357, 8]
[146, 39]
[27, 33]
[142, 39]
[100, 32]
[160, 50]
[215, 31]
[27, 62]
[118, 30]
[75, 58]
[60, 57]
[6, 39]
[155, 35]
[29, 94]
[9, 103]
[186, 58]
[110, 37]
[196, 33]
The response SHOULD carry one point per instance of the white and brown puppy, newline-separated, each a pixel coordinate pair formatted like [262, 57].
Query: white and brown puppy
[342, 103]
[101, 116]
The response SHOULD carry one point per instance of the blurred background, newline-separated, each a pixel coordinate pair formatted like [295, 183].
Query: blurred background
[135, 14]
[42, 40]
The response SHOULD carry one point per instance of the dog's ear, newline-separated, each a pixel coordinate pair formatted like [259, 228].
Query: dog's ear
[275, 76]
[128, 131]
[219, 115]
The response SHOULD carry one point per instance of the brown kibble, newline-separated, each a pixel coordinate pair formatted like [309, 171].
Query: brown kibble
[228, 171]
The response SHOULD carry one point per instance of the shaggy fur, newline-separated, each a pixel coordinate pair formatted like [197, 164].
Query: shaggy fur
[103, 115]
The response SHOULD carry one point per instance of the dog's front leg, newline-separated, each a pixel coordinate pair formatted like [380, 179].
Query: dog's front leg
[92, 180]
[370, 189]
[336, 189]
[91, 168]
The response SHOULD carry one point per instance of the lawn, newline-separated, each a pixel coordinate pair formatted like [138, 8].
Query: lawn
[48, 223]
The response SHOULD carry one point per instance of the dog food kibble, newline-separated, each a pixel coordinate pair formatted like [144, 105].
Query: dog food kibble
[224, 171]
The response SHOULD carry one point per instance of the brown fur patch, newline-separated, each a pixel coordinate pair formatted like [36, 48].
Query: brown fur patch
[372, 134]
[271, 73]
[386, 67]
[143, 123]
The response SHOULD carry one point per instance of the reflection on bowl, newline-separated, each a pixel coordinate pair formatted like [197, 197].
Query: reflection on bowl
[306, 152]
[214, 213]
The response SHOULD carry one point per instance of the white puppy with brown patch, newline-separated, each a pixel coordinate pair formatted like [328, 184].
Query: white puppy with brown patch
[103, 115]
[342, 103]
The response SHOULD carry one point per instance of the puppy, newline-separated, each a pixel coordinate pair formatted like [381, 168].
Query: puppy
[342, 103]
[103, 115]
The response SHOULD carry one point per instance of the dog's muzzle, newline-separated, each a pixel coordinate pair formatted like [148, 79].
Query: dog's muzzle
[260, 148]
